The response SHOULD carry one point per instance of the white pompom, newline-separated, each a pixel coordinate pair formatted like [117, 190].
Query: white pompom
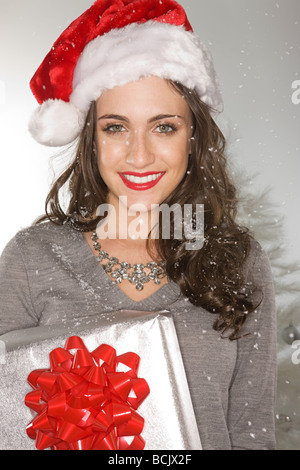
[56, 123]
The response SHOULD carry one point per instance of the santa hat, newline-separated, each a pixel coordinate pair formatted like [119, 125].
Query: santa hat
[113, 43]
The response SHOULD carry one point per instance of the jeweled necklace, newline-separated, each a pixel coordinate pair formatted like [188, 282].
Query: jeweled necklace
[138, 276]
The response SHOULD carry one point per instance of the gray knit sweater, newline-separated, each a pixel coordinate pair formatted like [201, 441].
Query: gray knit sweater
[48, 274]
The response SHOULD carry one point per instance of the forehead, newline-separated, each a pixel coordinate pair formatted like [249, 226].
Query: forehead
[149, 95]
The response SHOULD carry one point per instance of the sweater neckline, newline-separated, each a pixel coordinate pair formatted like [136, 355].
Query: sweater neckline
[91, 269]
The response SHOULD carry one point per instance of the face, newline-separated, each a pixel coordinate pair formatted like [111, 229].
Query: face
[143, 141]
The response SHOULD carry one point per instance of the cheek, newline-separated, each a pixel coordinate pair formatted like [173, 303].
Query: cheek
[109, 152]
[175, 155]
[109, 155]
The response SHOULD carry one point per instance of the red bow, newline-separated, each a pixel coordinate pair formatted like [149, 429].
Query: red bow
[87, 400]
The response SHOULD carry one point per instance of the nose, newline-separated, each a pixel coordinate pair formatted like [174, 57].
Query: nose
[140, 153]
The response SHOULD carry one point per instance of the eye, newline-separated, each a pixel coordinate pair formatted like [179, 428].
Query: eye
[114, 128]
[166, 128]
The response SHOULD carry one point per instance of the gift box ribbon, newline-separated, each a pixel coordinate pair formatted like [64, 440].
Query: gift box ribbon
[87, 400]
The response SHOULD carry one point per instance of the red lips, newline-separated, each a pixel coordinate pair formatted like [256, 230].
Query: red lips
[141, 186]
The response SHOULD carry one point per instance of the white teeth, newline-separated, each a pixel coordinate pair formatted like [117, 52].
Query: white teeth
[142, 179]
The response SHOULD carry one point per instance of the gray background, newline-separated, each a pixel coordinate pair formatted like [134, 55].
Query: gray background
[256, 49]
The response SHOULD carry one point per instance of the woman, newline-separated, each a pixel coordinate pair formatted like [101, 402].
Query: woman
[132, 81]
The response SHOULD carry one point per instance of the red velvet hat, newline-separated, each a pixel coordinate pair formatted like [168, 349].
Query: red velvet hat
[112, 43]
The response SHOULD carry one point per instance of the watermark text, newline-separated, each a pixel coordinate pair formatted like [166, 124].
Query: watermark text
[296, 93]
[137, 222]
[296, 354]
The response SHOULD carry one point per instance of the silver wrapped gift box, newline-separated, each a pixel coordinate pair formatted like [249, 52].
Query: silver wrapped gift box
[170, 422]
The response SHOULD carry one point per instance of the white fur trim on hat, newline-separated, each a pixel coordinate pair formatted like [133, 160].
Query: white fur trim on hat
[56, 123]
[152, 48]
[119, 57]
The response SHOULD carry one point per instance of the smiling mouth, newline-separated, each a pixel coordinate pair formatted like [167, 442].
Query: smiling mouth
[141, 181]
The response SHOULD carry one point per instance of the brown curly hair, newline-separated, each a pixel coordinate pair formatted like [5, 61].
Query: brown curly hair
[213, 277]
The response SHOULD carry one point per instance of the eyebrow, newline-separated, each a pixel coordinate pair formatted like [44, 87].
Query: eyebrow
[159, 117]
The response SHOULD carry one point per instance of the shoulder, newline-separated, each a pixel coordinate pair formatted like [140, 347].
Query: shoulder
[257, 266]
[34, 241]
[260, 281]
[45, 232]
[259, 278]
